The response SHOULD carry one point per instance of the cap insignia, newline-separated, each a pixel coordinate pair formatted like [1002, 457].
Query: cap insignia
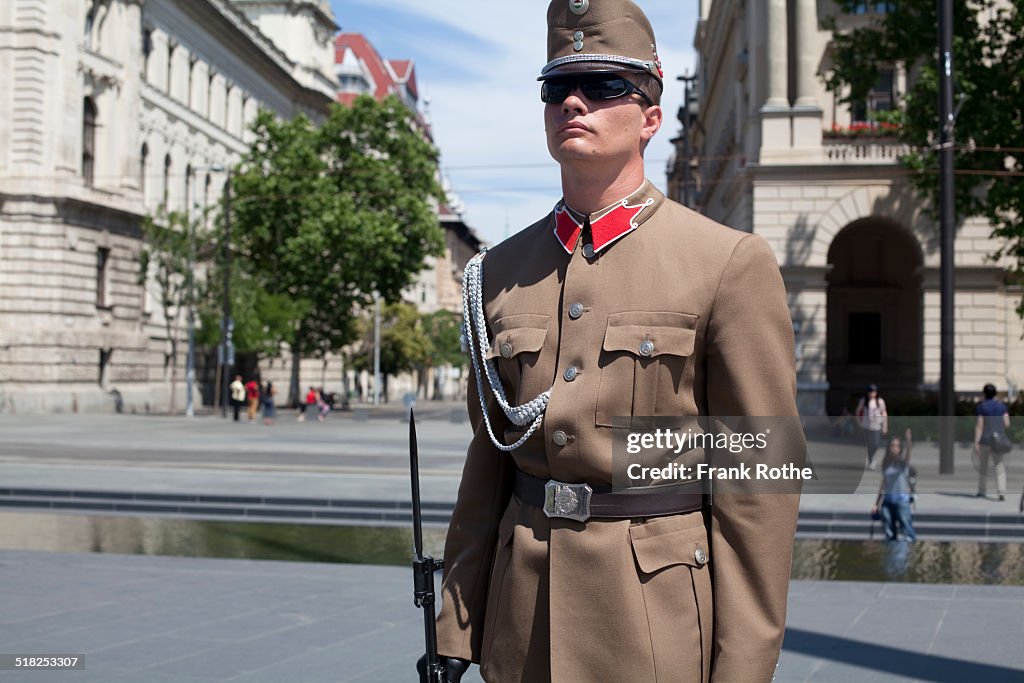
[657, 60]
[577, 43]
[579, 7]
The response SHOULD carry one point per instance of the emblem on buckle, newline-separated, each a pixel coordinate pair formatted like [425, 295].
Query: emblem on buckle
[570, 501]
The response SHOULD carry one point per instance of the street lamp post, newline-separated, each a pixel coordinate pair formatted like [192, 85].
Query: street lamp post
[227, 325]
[376, 349]
[947, 222]
[190, 361]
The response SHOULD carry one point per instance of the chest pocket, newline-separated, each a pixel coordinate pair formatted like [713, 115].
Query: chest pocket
[644, 364]
[515, 349]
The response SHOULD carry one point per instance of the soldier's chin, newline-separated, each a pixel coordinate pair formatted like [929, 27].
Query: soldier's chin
[571, 149]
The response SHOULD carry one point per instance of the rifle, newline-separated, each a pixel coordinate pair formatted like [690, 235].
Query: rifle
[423, 566]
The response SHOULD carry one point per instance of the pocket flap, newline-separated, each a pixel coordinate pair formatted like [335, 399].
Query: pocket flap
[672, 334]
[516, 334]
[669, 541]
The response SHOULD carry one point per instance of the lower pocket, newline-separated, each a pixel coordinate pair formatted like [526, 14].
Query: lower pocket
[499, 572]
[671, 555]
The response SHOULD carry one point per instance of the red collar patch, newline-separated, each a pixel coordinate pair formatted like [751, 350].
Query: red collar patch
[605, 230]
[567, 230]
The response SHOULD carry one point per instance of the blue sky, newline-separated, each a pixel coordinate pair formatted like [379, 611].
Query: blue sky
[477, 63]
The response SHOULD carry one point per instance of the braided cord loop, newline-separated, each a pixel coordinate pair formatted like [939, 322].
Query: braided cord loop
[474, 337]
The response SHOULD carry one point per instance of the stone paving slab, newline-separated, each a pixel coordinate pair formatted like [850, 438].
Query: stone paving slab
[347, 457]
[140, 619]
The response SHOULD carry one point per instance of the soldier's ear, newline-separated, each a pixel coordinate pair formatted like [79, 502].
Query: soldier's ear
[653, 116]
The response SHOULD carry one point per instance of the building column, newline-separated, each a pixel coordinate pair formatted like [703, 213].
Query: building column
[807, 114]
[776, 126]
[777, 49]
[807, 53]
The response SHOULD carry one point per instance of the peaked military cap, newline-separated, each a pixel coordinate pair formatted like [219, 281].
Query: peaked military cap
[599, 35]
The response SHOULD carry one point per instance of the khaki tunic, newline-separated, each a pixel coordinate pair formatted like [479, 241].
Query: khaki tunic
[537, 599]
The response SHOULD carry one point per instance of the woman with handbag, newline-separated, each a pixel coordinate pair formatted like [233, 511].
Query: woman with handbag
[990, 440]
[874, 421]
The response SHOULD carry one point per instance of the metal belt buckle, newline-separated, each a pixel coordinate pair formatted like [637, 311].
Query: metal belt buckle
[571, 501]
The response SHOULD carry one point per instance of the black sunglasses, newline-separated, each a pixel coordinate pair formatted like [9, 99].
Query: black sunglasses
[593, 86]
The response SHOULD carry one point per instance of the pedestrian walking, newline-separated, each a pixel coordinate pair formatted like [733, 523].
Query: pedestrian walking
[874, 422]
[323, 404]
[636, 306]
[990, 441]
[312, 398]
[252, 393]
[894, 491]
[237, 395]
[269, 408]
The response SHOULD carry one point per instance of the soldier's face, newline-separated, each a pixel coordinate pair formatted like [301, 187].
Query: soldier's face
[599, 131]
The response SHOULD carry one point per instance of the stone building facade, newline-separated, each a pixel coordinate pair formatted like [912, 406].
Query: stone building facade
[116, 109]
[773, 152]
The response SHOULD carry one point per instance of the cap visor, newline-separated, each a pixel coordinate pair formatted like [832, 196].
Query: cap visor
[592, 66]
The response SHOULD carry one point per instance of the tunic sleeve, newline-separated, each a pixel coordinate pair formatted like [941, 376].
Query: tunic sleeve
[751, 372]
[484, 493]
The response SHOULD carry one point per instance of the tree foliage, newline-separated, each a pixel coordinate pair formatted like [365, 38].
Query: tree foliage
[167, 259]
[404, 343]
[262, 320]
[988, 68]
[444, 330]
[327, 215]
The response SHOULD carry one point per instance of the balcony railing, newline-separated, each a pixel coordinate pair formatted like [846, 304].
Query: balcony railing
[865, 150]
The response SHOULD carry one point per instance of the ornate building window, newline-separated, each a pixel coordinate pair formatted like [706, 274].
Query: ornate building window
[192, 61]
[188, 192]
[102, 263]
[88, 140]
[873, 7]
[209, 95]
[880, 98]
[164, 201]
[147, 51]
[171, 50]
[143, 170]
[90, 21]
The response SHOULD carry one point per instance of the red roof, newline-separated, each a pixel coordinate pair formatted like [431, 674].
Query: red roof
[405, 72]
[369, 56]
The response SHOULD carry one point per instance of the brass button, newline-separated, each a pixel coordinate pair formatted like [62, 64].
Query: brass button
[588, 250]
[570, 373]
[560, 438]
[506, 350]
[646, 348]
[576, 311]
[700, 557]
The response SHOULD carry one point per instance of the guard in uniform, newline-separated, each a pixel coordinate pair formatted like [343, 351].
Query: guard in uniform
[619, 303]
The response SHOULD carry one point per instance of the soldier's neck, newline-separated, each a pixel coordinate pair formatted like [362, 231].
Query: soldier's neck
[593, 189]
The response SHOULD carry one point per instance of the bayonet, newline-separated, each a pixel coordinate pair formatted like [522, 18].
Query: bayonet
[423, 567]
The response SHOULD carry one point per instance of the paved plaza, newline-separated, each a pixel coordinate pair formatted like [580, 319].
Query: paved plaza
[180, 620]
[144, 619]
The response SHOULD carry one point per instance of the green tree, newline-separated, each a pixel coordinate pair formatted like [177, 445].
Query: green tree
[444, 330]
[404, 344]
[327, 216]
[262, 320]
[988, 61]
[167, 261]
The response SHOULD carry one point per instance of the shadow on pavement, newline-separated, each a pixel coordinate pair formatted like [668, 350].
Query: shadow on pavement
[892, 660]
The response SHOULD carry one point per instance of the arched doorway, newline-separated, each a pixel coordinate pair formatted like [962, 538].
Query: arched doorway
[875, 319]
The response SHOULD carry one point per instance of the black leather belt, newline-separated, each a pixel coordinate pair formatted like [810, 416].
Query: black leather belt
[581, 501]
